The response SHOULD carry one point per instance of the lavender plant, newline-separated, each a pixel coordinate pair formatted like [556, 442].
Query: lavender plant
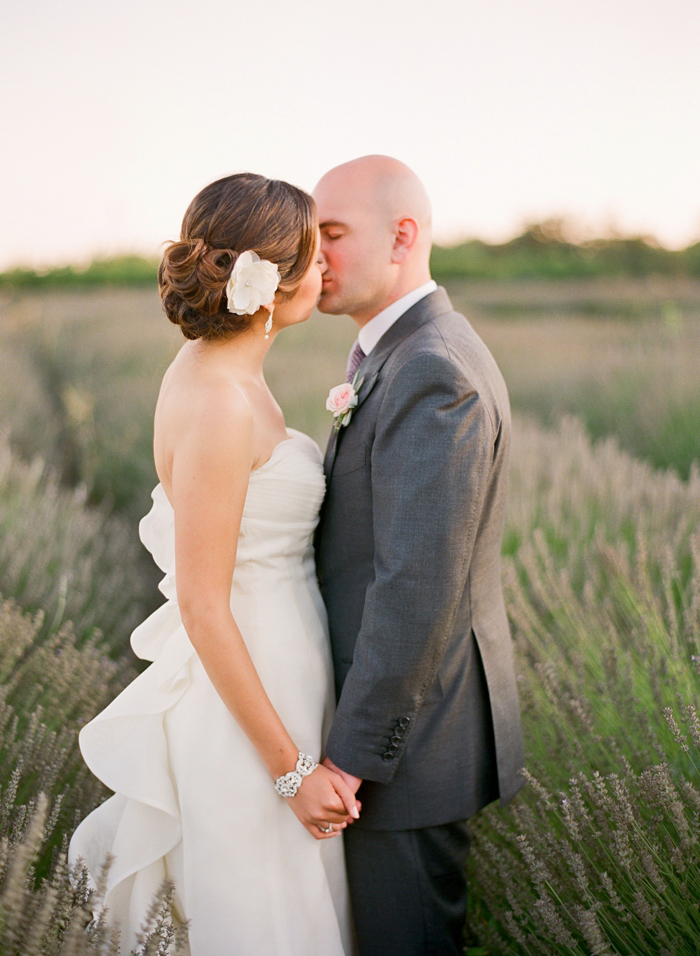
[50, 688]
[71, 562]
[600, 853]
[63, 915]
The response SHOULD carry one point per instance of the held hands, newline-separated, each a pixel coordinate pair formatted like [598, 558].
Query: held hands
[324, 799]
[352, 782]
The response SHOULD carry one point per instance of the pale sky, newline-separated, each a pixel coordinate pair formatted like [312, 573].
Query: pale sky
[114, 113]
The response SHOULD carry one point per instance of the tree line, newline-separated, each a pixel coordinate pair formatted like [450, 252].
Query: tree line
[544, 250]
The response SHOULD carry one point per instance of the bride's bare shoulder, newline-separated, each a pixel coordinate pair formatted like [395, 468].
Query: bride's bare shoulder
[199, 404]
[192, 385]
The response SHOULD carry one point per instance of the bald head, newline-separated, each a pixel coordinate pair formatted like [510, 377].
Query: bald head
[375, 219]
[385, 185]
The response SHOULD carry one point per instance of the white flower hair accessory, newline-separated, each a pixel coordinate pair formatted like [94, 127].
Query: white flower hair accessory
[253, 283]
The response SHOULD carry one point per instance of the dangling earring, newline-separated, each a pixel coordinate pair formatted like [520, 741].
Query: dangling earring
[268, 324]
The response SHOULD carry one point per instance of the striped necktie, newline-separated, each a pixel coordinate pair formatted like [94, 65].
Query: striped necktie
[355, 359]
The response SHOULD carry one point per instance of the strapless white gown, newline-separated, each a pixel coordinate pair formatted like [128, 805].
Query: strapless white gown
[193, 800]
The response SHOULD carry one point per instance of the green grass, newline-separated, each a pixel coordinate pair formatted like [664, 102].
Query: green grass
[79, 373]
[621, 356]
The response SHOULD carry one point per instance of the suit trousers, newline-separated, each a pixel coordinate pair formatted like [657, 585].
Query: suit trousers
[408, 889]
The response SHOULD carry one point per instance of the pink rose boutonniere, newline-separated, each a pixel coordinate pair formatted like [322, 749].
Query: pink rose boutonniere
[342, 401]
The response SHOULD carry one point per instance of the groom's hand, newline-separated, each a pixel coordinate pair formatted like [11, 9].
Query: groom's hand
[352, 782]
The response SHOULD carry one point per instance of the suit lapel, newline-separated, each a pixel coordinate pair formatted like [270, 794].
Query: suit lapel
[434, 304]
[330, 453]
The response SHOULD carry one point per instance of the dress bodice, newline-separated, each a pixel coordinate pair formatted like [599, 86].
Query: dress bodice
[275, 538]
[279, 516]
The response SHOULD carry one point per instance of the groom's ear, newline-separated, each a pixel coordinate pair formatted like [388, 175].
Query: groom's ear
[405, 238]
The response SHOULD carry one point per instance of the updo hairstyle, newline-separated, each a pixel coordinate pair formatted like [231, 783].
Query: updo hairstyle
[228, 217]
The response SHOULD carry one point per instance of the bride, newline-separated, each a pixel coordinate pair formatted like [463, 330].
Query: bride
[212, 751]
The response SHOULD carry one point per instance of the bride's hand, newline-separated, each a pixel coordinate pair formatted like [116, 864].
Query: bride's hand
[352, 782]
[323, 800]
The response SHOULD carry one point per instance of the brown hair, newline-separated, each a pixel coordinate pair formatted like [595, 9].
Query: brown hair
[228, 217]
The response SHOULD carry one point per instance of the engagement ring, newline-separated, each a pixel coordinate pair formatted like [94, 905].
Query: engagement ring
[328, 829]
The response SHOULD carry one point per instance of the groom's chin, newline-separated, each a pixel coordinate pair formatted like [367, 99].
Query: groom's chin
[326, 306]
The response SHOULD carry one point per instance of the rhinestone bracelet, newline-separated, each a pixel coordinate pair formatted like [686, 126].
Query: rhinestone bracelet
[288, 785]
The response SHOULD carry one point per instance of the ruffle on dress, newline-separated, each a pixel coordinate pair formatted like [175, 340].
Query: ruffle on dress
[126, 746]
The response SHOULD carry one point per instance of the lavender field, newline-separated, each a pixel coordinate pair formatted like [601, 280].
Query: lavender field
[601, 572]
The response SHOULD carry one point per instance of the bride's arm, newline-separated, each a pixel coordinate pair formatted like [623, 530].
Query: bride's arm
[211, 465]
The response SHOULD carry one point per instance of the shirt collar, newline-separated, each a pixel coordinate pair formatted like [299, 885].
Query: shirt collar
[372, 332]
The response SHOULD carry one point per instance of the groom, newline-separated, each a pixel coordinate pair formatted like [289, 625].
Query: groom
[408, 549]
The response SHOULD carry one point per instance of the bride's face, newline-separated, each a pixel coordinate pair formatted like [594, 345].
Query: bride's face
[301, 305]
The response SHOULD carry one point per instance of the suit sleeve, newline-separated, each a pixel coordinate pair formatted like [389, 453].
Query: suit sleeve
[431, 462]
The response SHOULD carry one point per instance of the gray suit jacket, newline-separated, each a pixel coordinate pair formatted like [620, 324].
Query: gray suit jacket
[408, 555]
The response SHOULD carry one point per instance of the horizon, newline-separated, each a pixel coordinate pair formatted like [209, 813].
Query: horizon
[80, 265]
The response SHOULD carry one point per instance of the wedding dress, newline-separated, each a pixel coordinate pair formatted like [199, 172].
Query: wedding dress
[193, 800]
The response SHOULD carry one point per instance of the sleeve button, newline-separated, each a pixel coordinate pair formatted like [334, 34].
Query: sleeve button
[387, 756]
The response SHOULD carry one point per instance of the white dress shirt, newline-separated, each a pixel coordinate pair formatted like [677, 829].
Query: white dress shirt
[371, 333]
